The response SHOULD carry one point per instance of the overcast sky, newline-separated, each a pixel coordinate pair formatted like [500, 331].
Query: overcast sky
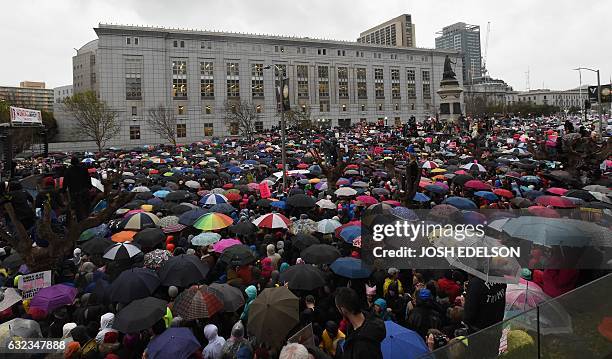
[548, 37]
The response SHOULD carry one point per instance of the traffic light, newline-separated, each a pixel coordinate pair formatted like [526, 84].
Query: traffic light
[587, 104]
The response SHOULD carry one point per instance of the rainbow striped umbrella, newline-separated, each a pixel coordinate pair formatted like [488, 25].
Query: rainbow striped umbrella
[213, 221]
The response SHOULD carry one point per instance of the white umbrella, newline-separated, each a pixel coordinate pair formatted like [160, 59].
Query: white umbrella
[140, 189]
[474, 167]
[121, 251]
[192, 184]
[327, 226]
[345, 192]
[325, 203]
[96, 183]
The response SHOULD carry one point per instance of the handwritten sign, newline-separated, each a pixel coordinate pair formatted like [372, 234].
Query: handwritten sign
[30, 284]
[264, 190]
[305, 336]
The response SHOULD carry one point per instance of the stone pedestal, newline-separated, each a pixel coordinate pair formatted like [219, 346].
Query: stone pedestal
[450, 100]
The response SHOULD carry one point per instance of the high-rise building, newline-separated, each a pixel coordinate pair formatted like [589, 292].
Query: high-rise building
[32, 95]
[196, 74]
[398, 31]
[84, 68]
[62, 92]
[465, 39]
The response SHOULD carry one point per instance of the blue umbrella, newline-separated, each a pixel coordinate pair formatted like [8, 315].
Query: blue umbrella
[531, 179]
[351, 268]
[349, 234]
[188, 218]
[421, 197]
[402, 343]
[460, 202]
[471, 217]
[532, 194]
[250, 162]
[489, 196]
[436, 189]
[213, 199]
[279, 204]
[100, 206]
[404, 213]
[155, 201]
[161, 193]
[176, 343]
[234, 170]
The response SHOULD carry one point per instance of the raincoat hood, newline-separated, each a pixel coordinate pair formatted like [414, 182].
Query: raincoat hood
[381, 303]
[210, 332]
[251, 292]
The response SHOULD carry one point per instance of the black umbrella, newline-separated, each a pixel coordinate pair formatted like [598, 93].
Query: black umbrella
[13, 261]
[243, 228]
[188, 218]
[136, 204]
[320, 254]
[300, 201]
[150, 237]
[143, 196]
[119, 251]
[231, 297]
[461, 179]
[177, 196]
[135, 283]
[96, 246]
[237, 255]
[179, 208]
[379, 208]
[302, 241]
[264, 202]
[303, 277]
[139, 315]
[295, 191]
[580, 193]
[224, 208]
[182, 271]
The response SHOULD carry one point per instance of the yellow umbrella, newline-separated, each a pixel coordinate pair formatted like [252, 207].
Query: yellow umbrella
[438, 170]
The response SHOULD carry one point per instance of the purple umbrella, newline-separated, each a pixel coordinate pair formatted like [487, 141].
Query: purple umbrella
[53, 297]
[177, 343]
[223, 244]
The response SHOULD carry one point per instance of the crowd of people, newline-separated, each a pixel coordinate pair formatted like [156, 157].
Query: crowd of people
[209, 250]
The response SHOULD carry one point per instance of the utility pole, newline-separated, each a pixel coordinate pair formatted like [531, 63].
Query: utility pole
[599, 104]
[280, 93]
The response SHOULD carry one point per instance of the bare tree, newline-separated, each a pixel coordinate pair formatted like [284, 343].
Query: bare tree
[243, 115]
[162, 121]
[95, 120]
[299, 118]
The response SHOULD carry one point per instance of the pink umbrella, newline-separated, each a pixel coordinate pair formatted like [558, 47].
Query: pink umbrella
[557, 190]
[441, 184]
[253, 186]
[524, 295]
[367, 200]
[392, 203]
[555, 201]
[541, 211]
[223, 244]
[477, 185]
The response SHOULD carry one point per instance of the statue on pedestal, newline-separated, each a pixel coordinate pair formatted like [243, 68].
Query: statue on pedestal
[448, 73]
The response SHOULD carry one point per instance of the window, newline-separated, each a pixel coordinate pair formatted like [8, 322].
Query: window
[258, 109]
[324, 106]
[379, 83]
[208, 109]
[412, 107]
[207, 81]
[258, 126]
[181, 130]
[362, 87]
[323, 75]
[302, 78]
[175, 44]
[426, 85]
[206, 45]
[208, 129]
[396, 106]
[343, 91]
[395, 84]
[257, 82]
[182, 43]
[341, 53]
[282, 49]
[322, 51]
[275, 48]
[411, 83]
[133, 74]
[363, 107]
[380, 107]
[233, 81]
[128, 40]
[179, 78]
[181, 110]
[343, 108]
[303, 108]
[134, 132]
[134, 111]
[135, 41]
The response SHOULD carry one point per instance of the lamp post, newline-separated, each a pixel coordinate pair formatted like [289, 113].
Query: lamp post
[280, 89]
[601, 124]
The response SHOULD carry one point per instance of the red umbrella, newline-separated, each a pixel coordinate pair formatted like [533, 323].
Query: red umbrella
[302, 166]
[197, 302]
[477, 185]
[351, 167]
[503, 193]
[233, 197]
[228, 186]
[543, 212]
[557, 190]
[461, 172]
[555, 201]
[367, 200]
[272, 220]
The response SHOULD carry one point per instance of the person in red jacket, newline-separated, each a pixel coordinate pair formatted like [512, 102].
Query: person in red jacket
[447, 285]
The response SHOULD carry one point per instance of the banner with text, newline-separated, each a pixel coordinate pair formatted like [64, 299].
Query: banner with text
[24, 116]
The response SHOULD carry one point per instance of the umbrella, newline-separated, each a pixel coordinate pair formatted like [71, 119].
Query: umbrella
[96, 246]
[303, 240]
[141, 189]
[223, 244]
[161, 193]
[434, 188]
[18, 328]
[320, 254]
[460, 202]
[306, 225]
[177, 196]
[50, 298]
[99, 231]
[231, 297]
[140, 221]
[243, 228]
[348, 234]
[524, 295]
[300, 201]
[582, 194]
[303, 277]
[237, 255]
[196, 302]
[205, 239]
[351, 268]
[461, 179]
[443, 211]
[543, 212]
[598, 188]
[273, 314]
[503, 193]
[154, 259]
[182, 271]
[489, 196]
[212, 199]
[139, 315]
[327, 226]
[9, 298]
[326, 204]
[121, 251]
[123, 236]
[345, 192]
[557, 231]
[420, 197]
[192, 184]
[188, 218]
[272, 220]
[367, 200]
[557, 191]
[359, 184]
[555, 201]
[477, 185]
[429, 165]
[224, 208]
[474, 167]
[404, 213]
[521, 202]
[176, 343]
[135, 283]
[150, 237]
[213, 221]
[402, 343]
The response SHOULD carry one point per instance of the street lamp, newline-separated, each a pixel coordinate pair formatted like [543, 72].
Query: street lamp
[601, 124]
[280, 90]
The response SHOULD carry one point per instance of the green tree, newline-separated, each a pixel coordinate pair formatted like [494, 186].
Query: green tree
[95, 120]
